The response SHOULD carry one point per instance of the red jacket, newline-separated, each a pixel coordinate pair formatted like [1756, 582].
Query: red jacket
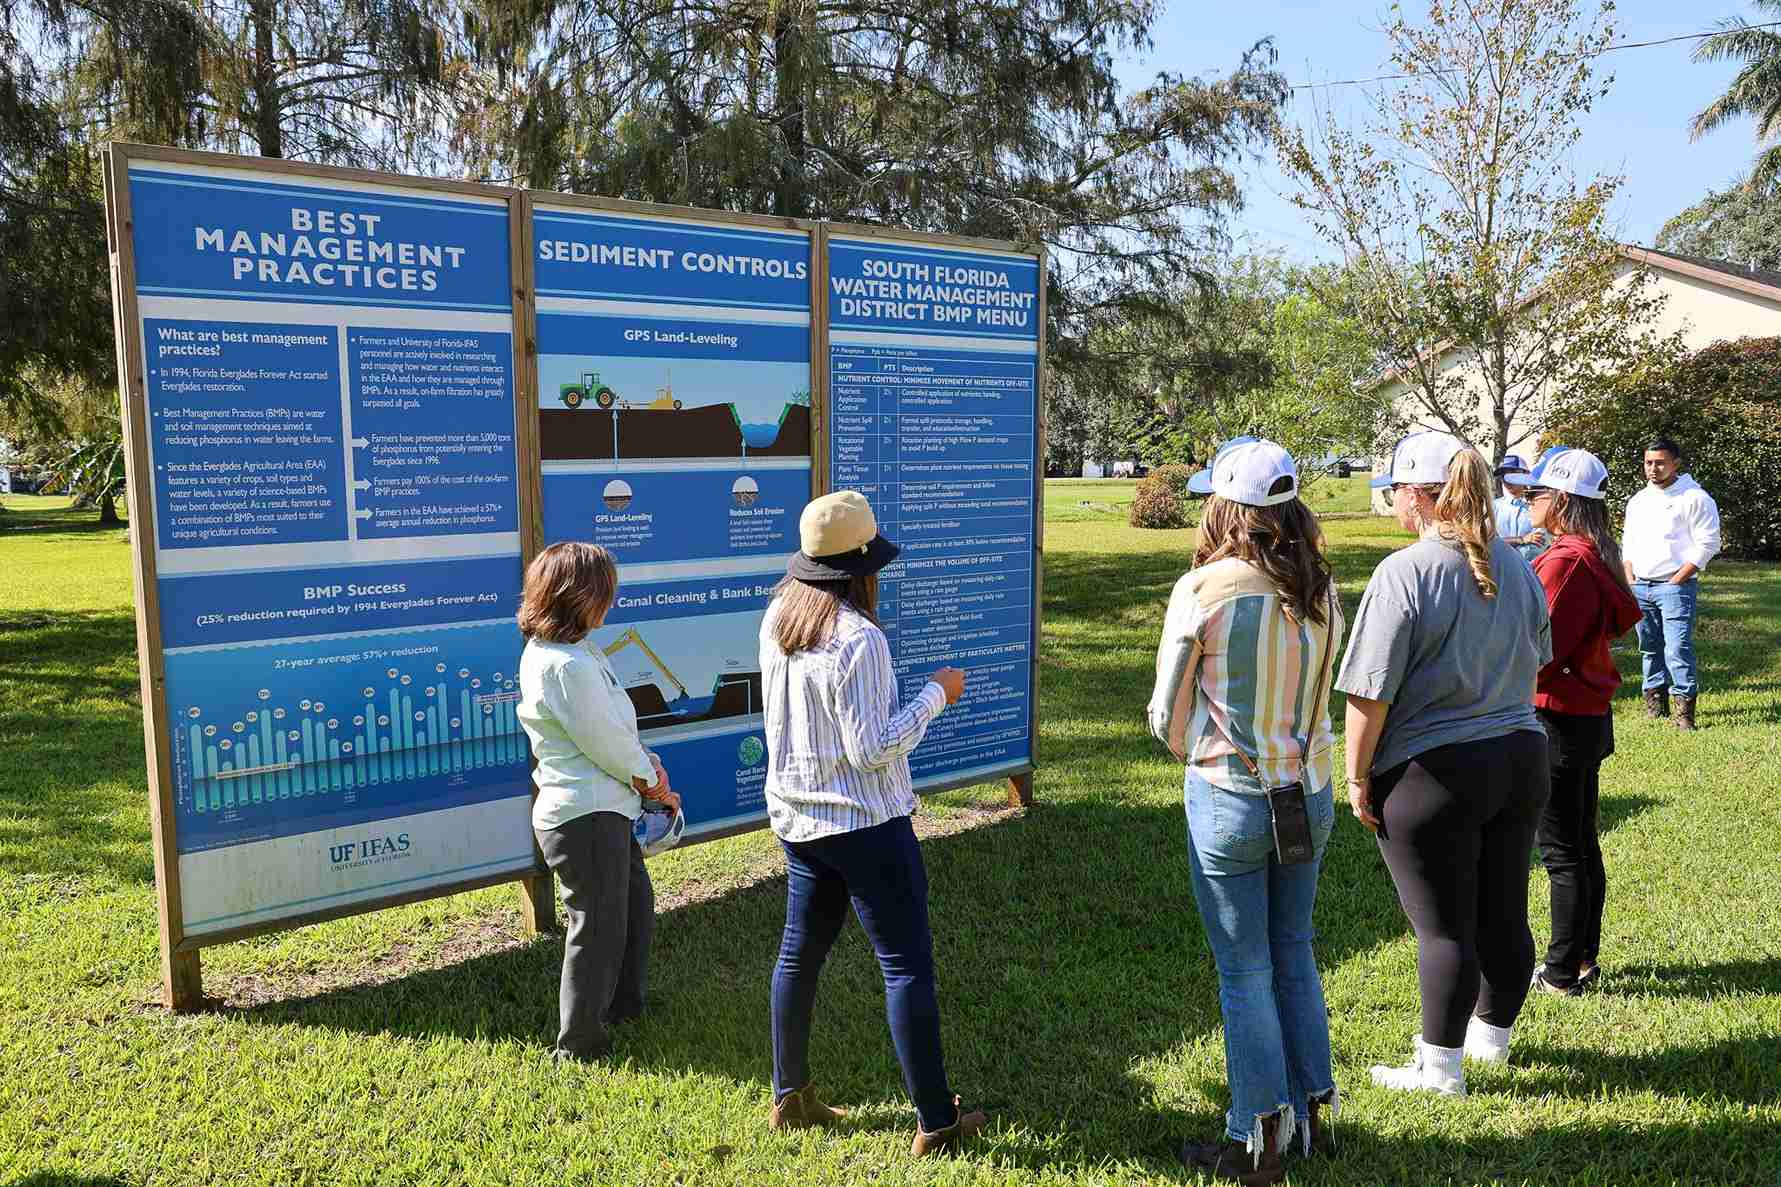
[1589, 610]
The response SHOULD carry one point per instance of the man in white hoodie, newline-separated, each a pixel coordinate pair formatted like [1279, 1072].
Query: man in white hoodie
[1672, 532]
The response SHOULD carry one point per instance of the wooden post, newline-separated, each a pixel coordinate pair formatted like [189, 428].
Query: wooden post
[1020, 790]
[537, 892]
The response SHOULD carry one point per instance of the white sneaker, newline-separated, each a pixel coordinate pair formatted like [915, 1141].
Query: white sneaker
[1431, 1069]
[1487, 1043]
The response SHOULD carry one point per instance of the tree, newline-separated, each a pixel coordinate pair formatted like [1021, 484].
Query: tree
[356, 82]
[1723, 404]
[1005, 121]
[1755, 90]
[1482, 266]
[1741, 224]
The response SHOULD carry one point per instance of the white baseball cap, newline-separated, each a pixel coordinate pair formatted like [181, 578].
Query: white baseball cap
[1420, 459]
[1244, 470]
[1574, 471]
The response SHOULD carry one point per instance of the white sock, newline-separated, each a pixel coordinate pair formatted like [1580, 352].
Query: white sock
[1487, 1043]
[1431, 1069]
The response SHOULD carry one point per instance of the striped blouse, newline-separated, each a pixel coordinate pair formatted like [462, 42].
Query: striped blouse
[837, 743]
[1233, 667]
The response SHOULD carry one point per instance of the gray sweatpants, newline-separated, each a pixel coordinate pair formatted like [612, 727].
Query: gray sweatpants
[611, 907]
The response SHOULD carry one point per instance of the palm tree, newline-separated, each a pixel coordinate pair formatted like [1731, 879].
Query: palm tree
[1756, 91]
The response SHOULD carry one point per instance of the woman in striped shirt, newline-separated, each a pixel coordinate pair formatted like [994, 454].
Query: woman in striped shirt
[839, 797]
[1242, 697]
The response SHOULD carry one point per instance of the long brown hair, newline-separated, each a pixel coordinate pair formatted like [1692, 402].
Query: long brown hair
[1577, 515]
[1466, 516]
[804, 612]
[568, 586]
[1283, 541]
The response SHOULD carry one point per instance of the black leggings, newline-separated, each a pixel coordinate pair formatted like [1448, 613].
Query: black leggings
[1457, 833]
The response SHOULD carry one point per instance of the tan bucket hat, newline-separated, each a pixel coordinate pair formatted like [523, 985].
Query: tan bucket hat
[838, 539]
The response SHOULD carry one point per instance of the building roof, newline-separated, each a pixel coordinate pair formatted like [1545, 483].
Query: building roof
[1756, 282]
[1760, 282]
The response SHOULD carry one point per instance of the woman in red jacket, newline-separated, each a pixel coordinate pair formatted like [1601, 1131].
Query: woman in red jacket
[1590, 604]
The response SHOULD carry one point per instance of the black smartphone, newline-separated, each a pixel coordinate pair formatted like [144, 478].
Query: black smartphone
[1292, 825]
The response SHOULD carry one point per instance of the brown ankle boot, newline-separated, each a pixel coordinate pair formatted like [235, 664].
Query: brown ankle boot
[1319, 1130]
[1657, 702]
[800, 1109]
[1231, 1159]
[968, 1125]
[1685, 713]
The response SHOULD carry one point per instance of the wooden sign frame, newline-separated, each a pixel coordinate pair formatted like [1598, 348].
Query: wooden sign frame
[181, 969]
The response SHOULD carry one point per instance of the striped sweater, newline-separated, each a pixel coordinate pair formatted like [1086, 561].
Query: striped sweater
[838, 741]
[1234, 667]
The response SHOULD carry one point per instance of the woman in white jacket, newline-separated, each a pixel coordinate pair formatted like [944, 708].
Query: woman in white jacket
[592, 776]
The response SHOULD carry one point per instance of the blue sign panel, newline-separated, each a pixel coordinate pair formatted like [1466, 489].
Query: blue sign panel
[674, 424]
[336, 535]
[933, 399]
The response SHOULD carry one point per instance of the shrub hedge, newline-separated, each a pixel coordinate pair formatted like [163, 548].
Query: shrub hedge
[1722, 405]
[1161, 500]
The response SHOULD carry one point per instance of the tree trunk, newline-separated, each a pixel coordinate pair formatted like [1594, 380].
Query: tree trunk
[268, 126]
[108, 516]
[791, 196]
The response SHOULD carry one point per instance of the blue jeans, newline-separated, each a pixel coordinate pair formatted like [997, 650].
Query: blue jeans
[1257, 914]
[1666, 634]
[880, 870]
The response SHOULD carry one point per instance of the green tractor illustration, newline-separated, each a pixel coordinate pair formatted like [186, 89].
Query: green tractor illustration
[576, 394]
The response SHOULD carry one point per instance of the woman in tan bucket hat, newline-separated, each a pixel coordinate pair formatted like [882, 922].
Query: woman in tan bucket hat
[839, 797]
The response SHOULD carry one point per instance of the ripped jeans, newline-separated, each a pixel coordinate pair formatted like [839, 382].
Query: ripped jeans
[1257, 914]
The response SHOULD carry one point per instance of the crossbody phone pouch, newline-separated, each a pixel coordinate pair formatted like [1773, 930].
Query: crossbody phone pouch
[1286, 803]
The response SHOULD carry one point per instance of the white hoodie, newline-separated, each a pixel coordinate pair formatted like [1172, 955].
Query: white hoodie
[1669, 526]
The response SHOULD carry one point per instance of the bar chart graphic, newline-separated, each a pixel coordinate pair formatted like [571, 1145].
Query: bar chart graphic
[282, 738]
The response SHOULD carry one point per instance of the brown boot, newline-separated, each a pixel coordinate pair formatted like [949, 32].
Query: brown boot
[1319, 1130]
[1685, 713]
[967, 1126]
[1657, 702]
[1231, 1159]
[800, 1109]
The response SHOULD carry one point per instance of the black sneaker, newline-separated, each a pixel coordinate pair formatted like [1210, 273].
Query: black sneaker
[1544, 981]
[1588, 975]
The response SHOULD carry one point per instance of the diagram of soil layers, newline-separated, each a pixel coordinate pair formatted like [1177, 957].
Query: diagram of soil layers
[684, 673]
[608, 408]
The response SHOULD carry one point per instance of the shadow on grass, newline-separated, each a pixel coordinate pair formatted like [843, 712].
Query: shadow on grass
[1732, 1152]
[1704, 981]
[1051, 988]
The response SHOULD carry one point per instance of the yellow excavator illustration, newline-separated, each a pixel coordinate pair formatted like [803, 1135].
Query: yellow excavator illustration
[631, 636]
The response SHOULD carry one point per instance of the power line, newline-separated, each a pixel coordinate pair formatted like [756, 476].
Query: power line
[1356, 82]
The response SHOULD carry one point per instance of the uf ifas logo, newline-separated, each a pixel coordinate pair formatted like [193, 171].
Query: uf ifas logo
[366, 848]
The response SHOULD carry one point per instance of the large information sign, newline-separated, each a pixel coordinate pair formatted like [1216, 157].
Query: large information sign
[933, 361]
[327, 515]
[357, 404]
[674, 429]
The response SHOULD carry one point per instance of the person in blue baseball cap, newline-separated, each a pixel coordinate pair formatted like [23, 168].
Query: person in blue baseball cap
[1515, 522]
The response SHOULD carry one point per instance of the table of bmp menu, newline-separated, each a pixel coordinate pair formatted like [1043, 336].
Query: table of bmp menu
[942, 441]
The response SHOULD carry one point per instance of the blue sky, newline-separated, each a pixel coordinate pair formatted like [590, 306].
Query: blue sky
[1640, 130]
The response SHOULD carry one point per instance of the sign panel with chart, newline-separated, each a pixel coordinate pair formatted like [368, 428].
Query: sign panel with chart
[933, 359]
[328, 397]
[674, 429]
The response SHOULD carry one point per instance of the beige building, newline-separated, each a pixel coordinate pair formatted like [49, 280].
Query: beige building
[1706, 300]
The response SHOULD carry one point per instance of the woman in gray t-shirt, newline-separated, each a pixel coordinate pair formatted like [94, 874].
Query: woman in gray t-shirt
[1446, 761]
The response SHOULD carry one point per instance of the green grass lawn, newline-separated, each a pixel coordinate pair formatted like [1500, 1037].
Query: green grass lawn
[1108, 500]
[1080, 999]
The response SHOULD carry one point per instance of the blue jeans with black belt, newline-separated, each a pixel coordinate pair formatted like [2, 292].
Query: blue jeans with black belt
[880, 871]
[1666, 634]
[1257, 914]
